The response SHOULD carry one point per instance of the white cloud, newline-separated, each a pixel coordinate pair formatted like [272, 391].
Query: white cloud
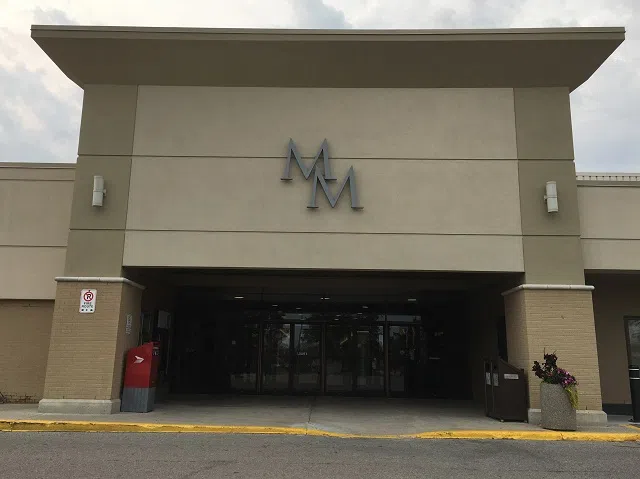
[40, 107]
[317, 14]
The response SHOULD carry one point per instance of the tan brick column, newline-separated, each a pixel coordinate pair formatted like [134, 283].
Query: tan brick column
[87, 350]
[552, 310]
[556, 318]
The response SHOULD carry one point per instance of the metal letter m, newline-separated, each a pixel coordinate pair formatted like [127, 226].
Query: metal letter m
[333, 200]
[321, 176]
[293, 152]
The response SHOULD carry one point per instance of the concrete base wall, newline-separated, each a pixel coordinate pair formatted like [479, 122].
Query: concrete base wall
[79, 406]
[584, 418]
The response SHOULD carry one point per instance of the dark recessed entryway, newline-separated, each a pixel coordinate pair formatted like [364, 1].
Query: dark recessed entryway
[334, 346]
[322, 333]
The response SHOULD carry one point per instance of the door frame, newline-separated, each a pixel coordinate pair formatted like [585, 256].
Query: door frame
[292, 358]
[354, 391]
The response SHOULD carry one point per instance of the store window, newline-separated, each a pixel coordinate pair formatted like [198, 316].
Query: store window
[633, 340]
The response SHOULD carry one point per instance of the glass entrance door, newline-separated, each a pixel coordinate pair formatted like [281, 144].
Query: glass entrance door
[339, 358]
[242, 357]
[354, 359]
[307, 358]
[369, 359]
[292, 358]
[330, 347]
[276, 358]
[404, 359]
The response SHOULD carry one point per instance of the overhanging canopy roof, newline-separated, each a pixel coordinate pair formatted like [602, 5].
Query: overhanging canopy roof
[328, 58]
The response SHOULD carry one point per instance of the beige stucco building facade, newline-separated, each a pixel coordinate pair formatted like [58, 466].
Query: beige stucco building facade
[447, 138]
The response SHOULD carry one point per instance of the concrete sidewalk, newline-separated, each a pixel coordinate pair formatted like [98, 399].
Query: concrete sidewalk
[329, 416]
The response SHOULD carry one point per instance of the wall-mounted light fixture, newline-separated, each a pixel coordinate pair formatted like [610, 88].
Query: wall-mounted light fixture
[98, 191]
[551, 197]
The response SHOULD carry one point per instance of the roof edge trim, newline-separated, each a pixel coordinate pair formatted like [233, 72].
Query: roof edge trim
[75, 31]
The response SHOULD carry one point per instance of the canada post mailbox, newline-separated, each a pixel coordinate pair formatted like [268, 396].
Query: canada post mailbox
[141, 373]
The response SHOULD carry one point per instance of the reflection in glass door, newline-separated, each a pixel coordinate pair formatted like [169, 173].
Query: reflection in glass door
[354, 359]
[403, 358]
[369, 358]
[243, 357]
[339, 364]
[276, 357]
[307, 358]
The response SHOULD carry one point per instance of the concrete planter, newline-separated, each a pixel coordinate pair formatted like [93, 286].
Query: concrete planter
[556, 410]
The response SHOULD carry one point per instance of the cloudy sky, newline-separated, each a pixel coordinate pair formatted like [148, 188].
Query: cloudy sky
[40, 107]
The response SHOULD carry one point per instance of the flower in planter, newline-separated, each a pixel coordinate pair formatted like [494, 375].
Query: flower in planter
[550, 373]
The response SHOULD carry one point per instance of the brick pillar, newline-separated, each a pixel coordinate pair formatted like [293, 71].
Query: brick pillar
[87, 350]
[556, 319]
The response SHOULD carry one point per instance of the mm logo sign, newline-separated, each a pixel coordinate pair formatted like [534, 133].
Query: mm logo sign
[321, 176]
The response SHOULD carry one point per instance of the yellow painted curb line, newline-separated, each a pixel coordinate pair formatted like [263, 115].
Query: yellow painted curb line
[87, 426]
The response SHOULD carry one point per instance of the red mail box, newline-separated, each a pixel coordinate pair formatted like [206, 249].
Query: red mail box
[142, 363]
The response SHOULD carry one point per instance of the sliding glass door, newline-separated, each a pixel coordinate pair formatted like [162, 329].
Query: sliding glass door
[369, 359]
[276, 358]
[307, 358]
[355, 359]
[292, 358]
[339, 358]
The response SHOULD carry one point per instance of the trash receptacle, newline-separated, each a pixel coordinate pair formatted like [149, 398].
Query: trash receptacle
[634, 385]
[140, 376]
[506, 396]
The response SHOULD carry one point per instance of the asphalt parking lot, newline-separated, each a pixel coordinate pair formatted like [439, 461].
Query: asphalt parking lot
[197, 456]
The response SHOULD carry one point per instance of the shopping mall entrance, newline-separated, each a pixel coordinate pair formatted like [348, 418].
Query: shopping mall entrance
[330, 346]
[324, 333]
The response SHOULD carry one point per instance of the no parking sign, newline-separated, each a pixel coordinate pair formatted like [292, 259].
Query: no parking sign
[88, 300]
